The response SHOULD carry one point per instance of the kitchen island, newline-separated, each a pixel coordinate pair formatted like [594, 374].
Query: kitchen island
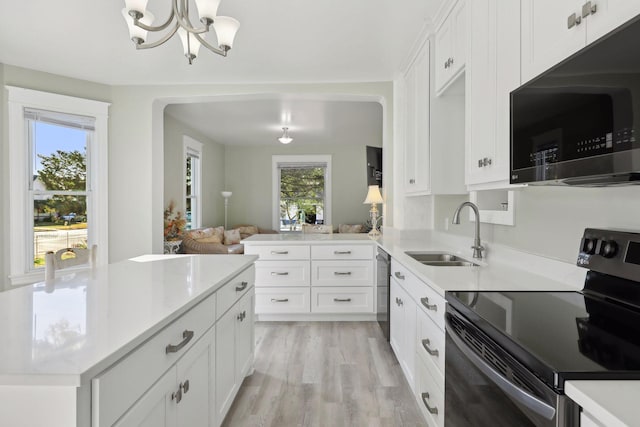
[79, 351]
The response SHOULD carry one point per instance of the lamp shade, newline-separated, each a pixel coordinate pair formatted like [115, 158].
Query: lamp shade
[194, 44]
[373, 195]
[136, 33]
[285, 138]
[226, 29]
[207, 9]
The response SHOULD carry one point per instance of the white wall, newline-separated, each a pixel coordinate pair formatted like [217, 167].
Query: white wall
[249, 171]
[213, 170]
[550, 220]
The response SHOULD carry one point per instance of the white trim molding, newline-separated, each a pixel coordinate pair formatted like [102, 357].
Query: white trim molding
[19, 99]
[193, 148]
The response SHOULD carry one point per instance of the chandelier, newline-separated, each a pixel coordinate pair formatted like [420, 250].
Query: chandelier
[139, 21]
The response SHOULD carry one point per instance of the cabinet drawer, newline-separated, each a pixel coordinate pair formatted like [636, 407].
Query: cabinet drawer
[428, 300]
[338, 273]
[115, 389]
[431, 346]
[342, 300]
[282, 300]
[234, 290]
[278, 252]
[282, 273]
[342, 252]
[430, 397]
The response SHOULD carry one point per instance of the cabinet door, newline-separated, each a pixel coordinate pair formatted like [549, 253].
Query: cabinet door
[493, 72]
[609, 14]
[459, 25]
[444, 51]
[409, 122]
[156, 408]
[396, 319]
[409, 340]
[546, 38]
[225, 362]
[195, 379]
[244, 337]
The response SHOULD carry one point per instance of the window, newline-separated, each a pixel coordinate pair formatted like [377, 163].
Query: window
[58, 178]
[302, 191]
[193, 182]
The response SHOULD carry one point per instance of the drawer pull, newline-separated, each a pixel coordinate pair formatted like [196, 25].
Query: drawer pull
[279, 300]
[279, 252]
[432, 410]
[187, 336]
[425, 344]
[399, 301]
[242, 286]
[399, 276]
[342, 299]
[177, 395]
[281, 273]
[342, 252]
[185, 386]
[342, 273]
[425, 302]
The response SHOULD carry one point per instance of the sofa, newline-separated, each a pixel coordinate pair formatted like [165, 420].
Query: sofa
[217, 240]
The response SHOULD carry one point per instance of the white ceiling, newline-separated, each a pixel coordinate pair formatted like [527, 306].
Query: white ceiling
[278, 41]
[259, 122]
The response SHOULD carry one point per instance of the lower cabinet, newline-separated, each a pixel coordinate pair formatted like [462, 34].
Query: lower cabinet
[402, 312]
[234, 353]
[430, 395]
[183, 395]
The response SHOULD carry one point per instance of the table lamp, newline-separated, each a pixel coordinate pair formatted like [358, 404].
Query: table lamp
[373, 198]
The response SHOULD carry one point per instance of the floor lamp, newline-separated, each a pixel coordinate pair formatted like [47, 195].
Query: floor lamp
[226, 195]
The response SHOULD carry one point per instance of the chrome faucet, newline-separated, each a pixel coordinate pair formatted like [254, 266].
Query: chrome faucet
[477, 247]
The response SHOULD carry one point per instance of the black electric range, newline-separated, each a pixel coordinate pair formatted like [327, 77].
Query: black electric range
[535, 341]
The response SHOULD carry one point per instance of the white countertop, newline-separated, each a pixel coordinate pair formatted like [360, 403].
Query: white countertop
[292, 238]
[66, 332]
[612, 403]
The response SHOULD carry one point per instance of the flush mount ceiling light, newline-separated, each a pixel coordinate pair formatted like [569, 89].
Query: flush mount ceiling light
[285, 138]
[139, 21]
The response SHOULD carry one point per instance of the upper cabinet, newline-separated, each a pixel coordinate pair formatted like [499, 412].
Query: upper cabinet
[492, 72]
[415, 83]
[450, 47]
[554, 29]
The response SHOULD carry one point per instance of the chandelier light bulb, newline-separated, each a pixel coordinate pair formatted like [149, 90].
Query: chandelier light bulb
[226, 29]
[191, 45]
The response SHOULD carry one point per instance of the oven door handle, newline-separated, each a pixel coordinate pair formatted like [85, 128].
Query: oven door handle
[525, 398]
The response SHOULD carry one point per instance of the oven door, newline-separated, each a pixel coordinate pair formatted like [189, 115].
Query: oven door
[485, 386]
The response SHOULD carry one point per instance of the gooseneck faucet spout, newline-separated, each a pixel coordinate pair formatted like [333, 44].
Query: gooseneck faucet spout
[477, 247]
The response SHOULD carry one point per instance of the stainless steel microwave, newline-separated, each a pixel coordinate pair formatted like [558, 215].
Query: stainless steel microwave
[579, 122]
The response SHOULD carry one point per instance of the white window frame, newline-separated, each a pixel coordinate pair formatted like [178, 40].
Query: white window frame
[192, 148]
[300, 159]
[20, 209]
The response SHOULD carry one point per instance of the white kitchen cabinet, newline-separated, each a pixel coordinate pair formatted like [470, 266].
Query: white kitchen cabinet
[183, 396]
[416, 124]
[552, 30]
[493, 71]
[450, 45]
[234, 352]
[402, 312]
[430, 396]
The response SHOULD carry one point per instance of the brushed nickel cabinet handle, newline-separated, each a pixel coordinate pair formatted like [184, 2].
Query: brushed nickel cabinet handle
[342, 299]
[425, 302]
[432, 410]
[342, 252]
[185, 386]
[187, 336]
[342, 273]
[279, 300]
[279, 252]
[398, 275]
[177, 395]
[425, 344]
[589, 9]
[242, 286]
[573, 20]
[276, 273]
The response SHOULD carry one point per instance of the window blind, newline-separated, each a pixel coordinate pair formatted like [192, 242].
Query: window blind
[60, 119]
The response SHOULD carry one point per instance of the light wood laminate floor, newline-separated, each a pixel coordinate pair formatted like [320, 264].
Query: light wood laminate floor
[319, 374]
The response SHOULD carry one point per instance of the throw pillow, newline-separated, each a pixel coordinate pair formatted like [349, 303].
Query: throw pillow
[211, 239]
[231, 237]
[200, 233]
[350, 228]
[247, 230]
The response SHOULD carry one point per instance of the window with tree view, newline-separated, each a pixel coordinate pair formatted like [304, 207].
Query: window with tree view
[302, 195]
[58, 180]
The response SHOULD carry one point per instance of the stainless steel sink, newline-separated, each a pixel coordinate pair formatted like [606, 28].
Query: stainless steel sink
[440, 259]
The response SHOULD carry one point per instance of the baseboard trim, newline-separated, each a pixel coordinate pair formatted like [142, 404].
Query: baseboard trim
[317, 317]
